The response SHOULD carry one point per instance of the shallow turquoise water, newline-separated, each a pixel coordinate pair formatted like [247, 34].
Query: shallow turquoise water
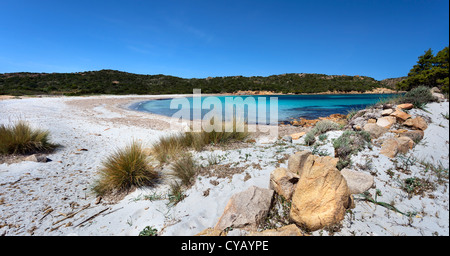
[289, 106]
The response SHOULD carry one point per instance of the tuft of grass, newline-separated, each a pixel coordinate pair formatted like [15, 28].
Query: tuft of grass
[168, 148]
[20, 138]
[124, 170]
[176, 194]
[184, 169]
[416, 186]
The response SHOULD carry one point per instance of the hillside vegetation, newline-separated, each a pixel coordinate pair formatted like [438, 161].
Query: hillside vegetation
[117, 82]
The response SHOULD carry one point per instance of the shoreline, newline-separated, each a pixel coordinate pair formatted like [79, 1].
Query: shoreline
[36, 197]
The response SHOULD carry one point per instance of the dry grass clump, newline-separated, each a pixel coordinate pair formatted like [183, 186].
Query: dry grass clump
[124, 170]
[184, 169]
[170, 146]
[20, 138]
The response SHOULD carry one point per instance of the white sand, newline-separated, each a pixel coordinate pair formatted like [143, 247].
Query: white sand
[29, 189]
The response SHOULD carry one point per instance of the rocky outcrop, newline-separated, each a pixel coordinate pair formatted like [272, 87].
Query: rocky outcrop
[246, 210]
[321, 195]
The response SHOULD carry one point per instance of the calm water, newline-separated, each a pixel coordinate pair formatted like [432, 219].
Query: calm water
[289, 106]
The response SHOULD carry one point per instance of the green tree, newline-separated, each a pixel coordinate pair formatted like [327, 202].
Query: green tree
[429, 71]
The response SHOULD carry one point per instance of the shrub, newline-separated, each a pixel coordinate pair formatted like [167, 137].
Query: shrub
[324, 126]
[418, 96]
[20, 138]
[349, 143]
[124, 170]
[309, 138]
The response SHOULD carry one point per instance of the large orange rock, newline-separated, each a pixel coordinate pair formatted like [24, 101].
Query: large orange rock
[321, 196]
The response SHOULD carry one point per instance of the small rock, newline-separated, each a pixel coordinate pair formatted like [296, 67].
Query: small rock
[211, 232]
[405, 106]
[435, 90]
[417, 123]
[357, 182]
[387, 112]
[289, 230]
[386, 121]
[392, 147]
[375, 130]
[287, 138]
[389, 148]
[298, 135]
[401, 115]
[416, 135]
[439, 96]
[36, 158]
[246, 210]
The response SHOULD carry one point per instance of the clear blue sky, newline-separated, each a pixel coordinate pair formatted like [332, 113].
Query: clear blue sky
[377, 38]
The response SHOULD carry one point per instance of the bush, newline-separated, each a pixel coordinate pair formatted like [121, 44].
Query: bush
[309, 138]
[20, 138]
[124, 170]
[324, 126]
[348, 144]
[418, 96]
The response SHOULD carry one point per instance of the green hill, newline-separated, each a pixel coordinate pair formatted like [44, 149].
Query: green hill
[117, 82]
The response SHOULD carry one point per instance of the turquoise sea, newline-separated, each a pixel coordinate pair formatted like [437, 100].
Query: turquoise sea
[289, 106]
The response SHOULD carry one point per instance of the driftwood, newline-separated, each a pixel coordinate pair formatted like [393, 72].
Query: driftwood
[72, 214]
[92, 217]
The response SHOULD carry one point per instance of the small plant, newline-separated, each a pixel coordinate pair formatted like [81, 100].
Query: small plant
[445, 115]
[309, 138]
[348, 144]
[322, 137]
[124, 170]
[213, 159]
[184, 169]
[176, 194]
[149, 231]
[416, 186]
[20, 138]
[317, 151]
[368, 197]
[324, 126]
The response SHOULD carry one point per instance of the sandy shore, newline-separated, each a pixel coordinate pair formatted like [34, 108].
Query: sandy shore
[55, 198]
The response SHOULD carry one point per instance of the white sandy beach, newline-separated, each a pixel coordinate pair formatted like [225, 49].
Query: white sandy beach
[38, 198]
